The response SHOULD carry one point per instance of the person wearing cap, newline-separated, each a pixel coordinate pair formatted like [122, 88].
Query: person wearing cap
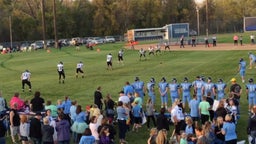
[251, 93]
[198, 86]
[60, 70]
[242, 68]
[252, 59]
[186, 87]
[138, 86]
[35, 132]
[235, 89]
[25, 79]
[220, 89]
[235, 93]
[174, 88]
[151, 90]
[109, 61]
[209, 87]
[79, 69]
[163, 90]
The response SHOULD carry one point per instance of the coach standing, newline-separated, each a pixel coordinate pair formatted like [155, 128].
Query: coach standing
[60, 69]
[25, 78]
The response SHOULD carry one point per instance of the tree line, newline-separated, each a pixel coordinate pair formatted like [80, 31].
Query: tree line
[84, 18]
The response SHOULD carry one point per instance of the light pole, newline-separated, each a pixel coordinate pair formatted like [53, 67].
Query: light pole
[199, 4]
[197, 17]
[207, 18]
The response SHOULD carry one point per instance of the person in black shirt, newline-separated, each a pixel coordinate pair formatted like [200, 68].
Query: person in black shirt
[37, 103]
[109, 107]
[251, 129]
[35, 131]
[210, 101]
[98, 99]
[3, 130]
[162, 122]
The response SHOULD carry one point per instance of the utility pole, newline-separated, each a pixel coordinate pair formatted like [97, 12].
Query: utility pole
[54, 24]
[43, 22]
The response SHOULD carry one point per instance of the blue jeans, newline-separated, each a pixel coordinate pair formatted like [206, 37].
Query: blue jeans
[36, 140]
[2, 140]
[63, 142]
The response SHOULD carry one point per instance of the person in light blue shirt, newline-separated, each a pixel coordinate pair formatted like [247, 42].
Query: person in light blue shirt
[194, 111]
[242, 68]
[198, 85]
[251, 93]
[209, 87]
[220, 89]
[66, 105]
[87, 138]
[136, 111]
[186, 87]
[139, 87]
[174, 88]
[229, 130]
[252, 59]
[151, 90]
[121, 118]
[163, 89]
[128, 89]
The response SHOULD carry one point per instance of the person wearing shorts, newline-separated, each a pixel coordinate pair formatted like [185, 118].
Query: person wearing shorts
[14, 122]
[79, 69]
[109, 61]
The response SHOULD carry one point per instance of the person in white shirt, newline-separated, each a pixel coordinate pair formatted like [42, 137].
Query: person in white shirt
[79, 69]
[109, 61]
[25, 79]
[60, 69]
[123, 98]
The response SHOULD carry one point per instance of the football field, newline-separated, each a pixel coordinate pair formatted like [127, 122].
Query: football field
[177, 63]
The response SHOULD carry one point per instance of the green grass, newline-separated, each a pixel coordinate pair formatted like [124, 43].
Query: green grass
[178, 64]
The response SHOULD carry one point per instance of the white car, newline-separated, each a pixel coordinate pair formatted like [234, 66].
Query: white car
[37, 45]
[110, 39]
[97, 40]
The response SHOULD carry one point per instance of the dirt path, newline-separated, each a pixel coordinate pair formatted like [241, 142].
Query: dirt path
[219, 47]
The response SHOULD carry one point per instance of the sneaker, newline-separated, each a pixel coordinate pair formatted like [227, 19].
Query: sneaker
[30, 90]
[23, 90]
[63, 82]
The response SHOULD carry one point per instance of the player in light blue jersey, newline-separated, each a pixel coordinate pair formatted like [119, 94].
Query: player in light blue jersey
[185, 86]
[251, 93]
[220, 89]
[151, 90]
[198, 85]
[252, 59]
[174, 88]
[128, 89]
[241, 69]
[209, 87]
[139, 87]
[163, 89]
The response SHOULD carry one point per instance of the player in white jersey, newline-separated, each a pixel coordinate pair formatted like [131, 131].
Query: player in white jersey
[60, 69]
[109, 61]
[25, 79]
[79, 69]
[120, 56]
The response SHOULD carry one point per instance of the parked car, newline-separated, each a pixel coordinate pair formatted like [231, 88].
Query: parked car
[97, 40]
[64, 42]
[24, 46]
[76, 41]
[109, 39]
[37, 45]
